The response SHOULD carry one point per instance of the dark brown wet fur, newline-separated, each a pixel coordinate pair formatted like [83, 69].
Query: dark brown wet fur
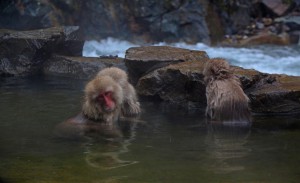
[226, 100]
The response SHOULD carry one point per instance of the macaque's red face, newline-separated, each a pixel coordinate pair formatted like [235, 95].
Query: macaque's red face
[106, 101]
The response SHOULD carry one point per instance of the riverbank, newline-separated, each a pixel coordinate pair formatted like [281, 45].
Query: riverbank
[164, 73]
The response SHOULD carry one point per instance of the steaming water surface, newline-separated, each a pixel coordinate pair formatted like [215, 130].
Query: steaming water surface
[268, 59]
[169, 145]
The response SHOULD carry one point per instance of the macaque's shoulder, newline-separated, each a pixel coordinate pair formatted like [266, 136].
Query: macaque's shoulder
[72, 128]
[80, 126]
[79, 119]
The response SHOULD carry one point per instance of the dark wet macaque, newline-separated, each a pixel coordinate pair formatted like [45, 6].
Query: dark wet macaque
[226, 100]
[107, 97]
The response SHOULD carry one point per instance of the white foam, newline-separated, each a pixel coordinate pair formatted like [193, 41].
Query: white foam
[268, 59]
[106, 47]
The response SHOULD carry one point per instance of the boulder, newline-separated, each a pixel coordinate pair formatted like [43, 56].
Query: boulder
[136, 21]
[142, 60]
[275, 94]
[266, 38]
[181, 83]
[270, 93]
[24, 52]
[278, 7]
[37, 14]
[80, 67]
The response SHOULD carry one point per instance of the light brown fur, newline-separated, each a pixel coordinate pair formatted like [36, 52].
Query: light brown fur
[226, 100]
[130, 105]
[116, 80]
[95, 116]
[92, 109]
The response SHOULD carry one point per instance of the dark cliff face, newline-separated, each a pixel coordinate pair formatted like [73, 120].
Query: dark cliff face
[148, 21]
[133, 20]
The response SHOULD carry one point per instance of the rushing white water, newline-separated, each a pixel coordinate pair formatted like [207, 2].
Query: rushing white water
[267, 58]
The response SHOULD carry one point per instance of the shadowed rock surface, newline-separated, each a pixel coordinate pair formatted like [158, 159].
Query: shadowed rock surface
[270, 93]
[182, 84]
[80, 67]
[144, 21]
[24, 52]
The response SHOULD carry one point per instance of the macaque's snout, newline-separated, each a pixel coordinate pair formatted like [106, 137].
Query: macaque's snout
[106, 100]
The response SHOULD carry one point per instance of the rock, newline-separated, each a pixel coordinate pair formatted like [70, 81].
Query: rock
[267, 21]
[270, 93]
[139, 21]
[80, 67]
[293, 22]
[185, 22]
[180, 84]
[275, 94]
[248, 77]
[37, 14]
[145, 21]
[260, 25]
[142, 60]
[24, 52]
[266, 38]
[295, 37]
[276, 6]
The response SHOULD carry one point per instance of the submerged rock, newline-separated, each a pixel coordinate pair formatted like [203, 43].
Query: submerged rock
[24, 52]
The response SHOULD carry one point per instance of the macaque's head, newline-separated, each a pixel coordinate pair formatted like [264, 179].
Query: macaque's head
[216, 69]
[102, 96]
[117, 74]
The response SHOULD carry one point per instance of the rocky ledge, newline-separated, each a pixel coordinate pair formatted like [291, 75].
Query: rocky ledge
[163, 73]
[182, 84]
[24, 52]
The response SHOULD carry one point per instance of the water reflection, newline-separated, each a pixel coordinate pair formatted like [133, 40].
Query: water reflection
[106, 153]
[174, 146]
[227, 145]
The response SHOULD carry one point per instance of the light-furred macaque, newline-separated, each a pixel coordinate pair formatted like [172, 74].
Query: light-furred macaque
[226, 100]
[106, 97]
[130, 105]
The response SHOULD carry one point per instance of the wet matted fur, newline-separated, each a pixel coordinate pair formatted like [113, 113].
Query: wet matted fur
[226, 100]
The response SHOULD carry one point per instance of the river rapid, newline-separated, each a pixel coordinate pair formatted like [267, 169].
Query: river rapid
[264, 58]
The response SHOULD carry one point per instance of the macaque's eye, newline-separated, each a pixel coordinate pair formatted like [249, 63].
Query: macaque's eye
[108, 93]
[100, 98]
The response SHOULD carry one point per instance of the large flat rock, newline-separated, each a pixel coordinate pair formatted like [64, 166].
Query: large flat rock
[80, 67]
[141, 60]
[24, 52]
[182, 84]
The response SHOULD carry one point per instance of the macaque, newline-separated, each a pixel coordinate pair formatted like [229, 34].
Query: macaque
[130, 105]
[103, 98]
[226, 100]
[106, 97]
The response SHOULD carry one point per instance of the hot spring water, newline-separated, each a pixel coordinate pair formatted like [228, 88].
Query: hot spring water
[169, 145]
